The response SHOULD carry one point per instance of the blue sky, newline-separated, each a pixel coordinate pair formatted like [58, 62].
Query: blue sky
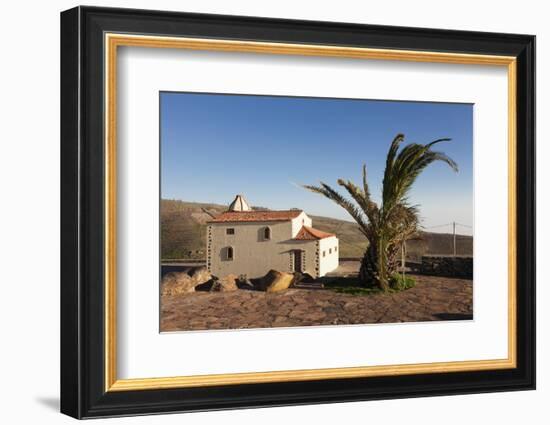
[215, 146]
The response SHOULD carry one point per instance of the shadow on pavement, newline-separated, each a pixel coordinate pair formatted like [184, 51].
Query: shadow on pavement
[454, 316]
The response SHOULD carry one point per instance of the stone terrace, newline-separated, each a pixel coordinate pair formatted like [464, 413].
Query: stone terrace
[433, 298]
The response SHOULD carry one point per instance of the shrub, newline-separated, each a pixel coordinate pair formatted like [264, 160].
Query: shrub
[399, 282]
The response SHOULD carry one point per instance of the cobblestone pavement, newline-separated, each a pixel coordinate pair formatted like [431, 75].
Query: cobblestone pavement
[433, 298]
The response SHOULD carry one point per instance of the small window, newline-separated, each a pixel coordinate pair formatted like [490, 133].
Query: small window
[230, 231]
[335, 249]
[229, 253]
[324, 253]
[330, 250]
[267, 233]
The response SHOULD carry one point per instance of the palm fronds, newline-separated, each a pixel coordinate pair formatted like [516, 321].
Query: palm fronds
[403, 169]
[387, 226]
[333, 195]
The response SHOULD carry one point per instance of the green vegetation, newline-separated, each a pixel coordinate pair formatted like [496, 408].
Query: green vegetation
[401, 282]
[389, 225]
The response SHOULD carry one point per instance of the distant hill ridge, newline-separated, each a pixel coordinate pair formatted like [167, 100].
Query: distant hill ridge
[183, 233]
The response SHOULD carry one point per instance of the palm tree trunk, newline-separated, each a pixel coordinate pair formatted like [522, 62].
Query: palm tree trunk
[368, 272]
[393, 259]
[378, 264]
[372, 272]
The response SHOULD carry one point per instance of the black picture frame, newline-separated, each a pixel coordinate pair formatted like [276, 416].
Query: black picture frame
[83, 392]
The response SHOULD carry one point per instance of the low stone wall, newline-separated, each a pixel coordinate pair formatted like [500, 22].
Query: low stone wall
[447, 266]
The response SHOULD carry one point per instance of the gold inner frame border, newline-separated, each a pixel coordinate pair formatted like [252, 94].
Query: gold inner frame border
[112, 41]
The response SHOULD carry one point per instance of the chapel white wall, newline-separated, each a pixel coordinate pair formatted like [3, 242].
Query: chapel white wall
[297, 223]
[252, 254]
[309, 256]
[329, 262]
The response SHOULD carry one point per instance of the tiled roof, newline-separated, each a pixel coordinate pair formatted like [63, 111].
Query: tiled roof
[252, 216]
[309, 234]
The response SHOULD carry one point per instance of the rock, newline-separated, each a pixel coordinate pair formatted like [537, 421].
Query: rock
[300, 277]
[244, 283]
[275, 281]
[305, 281]
[201, 275]
[176, 283]
[264, 282]
[226, 284]
[206, 286]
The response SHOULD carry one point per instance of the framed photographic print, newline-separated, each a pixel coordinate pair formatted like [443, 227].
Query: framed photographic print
[261, 212]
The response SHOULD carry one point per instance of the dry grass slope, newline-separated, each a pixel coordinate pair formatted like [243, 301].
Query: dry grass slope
[183, 230]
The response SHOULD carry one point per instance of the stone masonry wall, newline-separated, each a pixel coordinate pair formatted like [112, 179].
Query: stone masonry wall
[448, 266]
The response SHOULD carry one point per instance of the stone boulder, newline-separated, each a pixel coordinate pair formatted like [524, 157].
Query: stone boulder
[176, 283]
[201, 275]
[244, 283]
[300, 277]
[275, 281]
[226, 284]
[305, 281]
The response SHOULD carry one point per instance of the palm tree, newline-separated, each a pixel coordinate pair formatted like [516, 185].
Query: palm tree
[389, 225]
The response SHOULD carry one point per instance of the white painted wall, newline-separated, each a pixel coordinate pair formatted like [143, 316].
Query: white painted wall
[252, 254]
[328, 262]
[297, 223]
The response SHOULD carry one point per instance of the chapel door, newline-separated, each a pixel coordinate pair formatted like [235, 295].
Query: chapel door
[297, 260]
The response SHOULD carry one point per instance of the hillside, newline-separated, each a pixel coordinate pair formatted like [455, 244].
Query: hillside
[183, 230]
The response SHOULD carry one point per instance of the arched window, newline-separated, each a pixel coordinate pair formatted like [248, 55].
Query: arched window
[267, 233]
[229, 253]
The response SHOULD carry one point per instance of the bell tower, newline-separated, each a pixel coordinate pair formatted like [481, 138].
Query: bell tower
[239, 204]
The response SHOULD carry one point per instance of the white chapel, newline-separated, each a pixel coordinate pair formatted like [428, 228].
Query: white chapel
[245, 241]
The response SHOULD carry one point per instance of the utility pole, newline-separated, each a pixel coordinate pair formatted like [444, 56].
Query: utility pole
[454, 239]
